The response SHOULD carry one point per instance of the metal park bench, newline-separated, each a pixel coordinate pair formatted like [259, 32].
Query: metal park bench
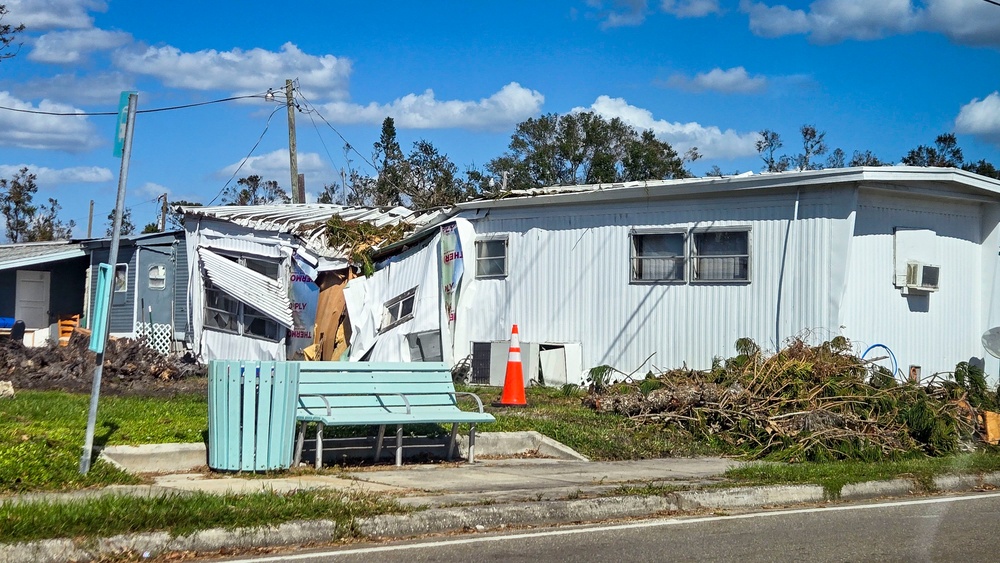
[381, 394]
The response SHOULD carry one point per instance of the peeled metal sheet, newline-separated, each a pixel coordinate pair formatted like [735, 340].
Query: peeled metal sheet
[255, 289]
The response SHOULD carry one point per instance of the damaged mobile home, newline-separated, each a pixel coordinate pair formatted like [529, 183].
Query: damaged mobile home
[264, 283]
[671, 273]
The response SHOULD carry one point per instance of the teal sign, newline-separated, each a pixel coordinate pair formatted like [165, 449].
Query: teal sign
[99, 316]
[122, 120]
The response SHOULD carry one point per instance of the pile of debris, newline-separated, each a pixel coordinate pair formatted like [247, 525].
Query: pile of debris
[130, 367]
[805, 403]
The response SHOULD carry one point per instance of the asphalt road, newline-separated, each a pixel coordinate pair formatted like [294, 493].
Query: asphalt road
[955, 528]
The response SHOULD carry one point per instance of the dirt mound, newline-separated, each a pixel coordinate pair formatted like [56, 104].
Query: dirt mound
[130, 368]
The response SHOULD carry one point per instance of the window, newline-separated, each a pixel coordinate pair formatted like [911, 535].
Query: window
[658, 257]
[491, 258]
[699, 255]
[398, 310]
[720, 255]
[157, 276]
[228, 314]
[121, 278]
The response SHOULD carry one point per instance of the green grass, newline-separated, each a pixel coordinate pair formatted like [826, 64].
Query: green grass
[183, 514]
[599, 436]
[42, 435]
[832, 476]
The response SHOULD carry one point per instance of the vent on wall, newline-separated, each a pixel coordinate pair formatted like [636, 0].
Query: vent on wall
[921, 278]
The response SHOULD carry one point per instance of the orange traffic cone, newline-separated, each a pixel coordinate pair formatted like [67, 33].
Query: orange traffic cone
[513, 384]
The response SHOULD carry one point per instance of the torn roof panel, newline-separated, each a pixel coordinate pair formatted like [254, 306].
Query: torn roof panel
[307, 221]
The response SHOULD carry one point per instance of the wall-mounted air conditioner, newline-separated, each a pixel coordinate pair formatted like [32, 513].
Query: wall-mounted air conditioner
[921, 278]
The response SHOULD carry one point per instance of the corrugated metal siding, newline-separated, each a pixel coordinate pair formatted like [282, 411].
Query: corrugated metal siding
[934, 331]
[569, 280]
[262, 293]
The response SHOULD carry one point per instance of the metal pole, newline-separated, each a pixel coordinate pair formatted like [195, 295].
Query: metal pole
[95, 392]
[163, 214]
[293, 160]
[90, 218]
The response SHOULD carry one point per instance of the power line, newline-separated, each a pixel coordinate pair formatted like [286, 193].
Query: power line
[247, 157]
[152, 110]
[312, 109]
[994, 2]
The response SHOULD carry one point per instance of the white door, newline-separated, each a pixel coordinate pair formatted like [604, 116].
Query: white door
[31, 303]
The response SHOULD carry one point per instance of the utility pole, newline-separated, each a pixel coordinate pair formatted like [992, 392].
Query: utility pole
[343, 185]
[90, 218]
[293, 160]
[163, 213]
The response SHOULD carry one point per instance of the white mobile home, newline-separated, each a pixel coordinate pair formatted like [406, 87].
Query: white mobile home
[670, 273]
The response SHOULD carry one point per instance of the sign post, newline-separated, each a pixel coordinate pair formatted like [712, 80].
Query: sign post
[124, 133]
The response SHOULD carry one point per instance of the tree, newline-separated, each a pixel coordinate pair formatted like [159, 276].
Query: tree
[127, 227]
[433, 178]
[648, 158]
[982, 168]
[253, 190]
[767, 145]
[813, 145]
[583, 148]
[865, 158]
[945, 153]
[16, 195]
[393, 169]
[8, 34]
[47, 226]
[836, 158]
[151, 228]
[175, 220]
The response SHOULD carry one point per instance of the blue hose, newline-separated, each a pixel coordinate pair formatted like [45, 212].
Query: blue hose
[895, 365]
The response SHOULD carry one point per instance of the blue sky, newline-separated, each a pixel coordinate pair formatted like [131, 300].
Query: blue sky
[881, 76]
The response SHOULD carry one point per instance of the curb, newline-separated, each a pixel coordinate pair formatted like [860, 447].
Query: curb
[479, 518]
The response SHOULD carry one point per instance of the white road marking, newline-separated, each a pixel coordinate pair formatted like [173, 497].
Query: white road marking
[629, 526]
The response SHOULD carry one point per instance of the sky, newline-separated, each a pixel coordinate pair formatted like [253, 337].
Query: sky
[883, 76]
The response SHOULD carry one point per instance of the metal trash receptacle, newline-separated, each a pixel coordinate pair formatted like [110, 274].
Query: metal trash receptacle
[251, 414]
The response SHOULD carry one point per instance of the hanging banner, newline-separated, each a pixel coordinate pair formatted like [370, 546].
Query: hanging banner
[304, 298]
[452, 268]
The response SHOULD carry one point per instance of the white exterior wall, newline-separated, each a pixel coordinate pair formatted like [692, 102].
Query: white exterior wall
[937, 330]
[216, 235]
[366, 298]
[569, 279]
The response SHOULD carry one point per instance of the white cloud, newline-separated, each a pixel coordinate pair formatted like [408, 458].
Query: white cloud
[691, 8]
[981, 118]
[274, 166]
[71, 46]
[48, 132]
[512, 104]
[152, 189]
[622, 13]
[711, 141]
[100, 88]
[40, 15]
[733, 80]
[239, 71]
[830, 21]
[51, 176]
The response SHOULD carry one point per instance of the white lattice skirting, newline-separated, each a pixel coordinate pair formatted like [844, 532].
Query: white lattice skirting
[157, 336]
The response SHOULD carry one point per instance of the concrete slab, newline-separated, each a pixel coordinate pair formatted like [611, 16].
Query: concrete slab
[156, 458]
[237, 485]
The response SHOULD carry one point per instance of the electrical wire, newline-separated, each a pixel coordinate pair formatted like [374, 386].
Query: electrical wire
[994, 2]
[152, 110]
[249, 154]
[312, 109]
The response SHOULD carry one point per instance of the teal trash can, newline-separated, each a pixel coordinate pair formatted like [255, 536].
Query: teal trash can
[251, 415]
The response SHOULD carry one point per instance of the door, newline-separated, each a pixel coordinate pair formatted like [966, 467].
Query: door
[31, 301]
[155, 286]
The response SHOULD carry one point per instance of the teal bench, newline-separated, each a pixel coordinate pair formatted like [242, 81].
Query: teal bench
[381, 394]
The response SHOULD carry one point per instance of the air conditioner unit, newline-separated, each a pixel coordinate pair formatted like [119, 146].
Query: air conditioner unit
[921, 278]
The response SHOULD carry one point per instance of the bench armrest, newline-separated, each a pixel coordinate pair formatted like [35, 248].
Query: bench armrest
[329, 411]
[473, 395]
